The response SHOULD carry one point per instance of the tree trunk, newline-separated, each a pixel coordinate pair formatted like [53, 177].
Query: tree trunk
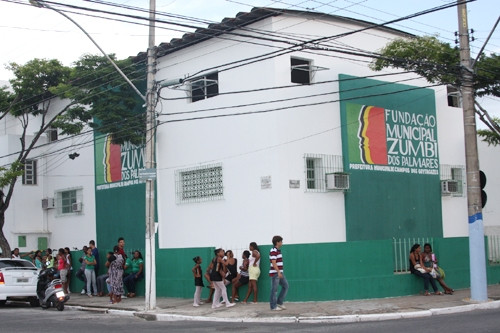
[4, 244]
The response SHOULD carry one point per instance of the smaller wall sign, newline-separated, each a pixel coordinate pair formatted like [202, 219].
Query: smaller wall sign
[265, 182]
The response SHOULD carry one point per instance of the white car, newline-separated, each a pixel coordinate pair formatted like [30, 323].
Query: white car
[18, 280]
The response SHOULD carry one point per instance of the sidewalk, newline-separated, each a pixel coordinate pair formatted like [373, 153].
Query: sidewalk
[172, 309]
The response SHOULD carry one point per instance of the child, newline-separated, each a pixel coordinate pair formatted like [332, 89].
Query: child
[198, 281]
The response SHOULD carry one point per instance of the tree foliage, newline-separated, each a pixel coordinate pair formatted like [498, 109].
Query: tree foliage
[104, 100]
[438, 62]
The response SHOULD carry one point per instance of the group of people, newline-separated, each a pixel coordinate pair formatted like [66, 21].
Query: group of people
[424, 265]
[59, 260]
[121, 270]
[223, 270]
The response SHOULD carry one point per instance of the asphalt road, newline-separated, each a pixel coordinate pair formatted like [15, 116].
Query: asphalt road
[22, 318]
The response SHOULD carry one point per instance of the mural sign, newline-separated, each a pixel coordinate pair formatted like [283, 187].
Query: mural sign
[391, 140]
[117, 165]
[390, 150]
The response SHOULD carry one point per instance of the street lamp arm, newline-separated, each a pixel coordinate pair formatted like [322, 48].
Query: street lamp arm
[41, 4]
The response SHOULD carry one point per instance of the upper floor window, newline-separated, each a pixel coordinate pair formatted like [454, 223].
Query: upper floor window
[452, 180]
[318, 167]
[301, 70]
[199, 184]
[51, 134]
[205, 87]
[29, 176]
[69, 201]
[453, 97]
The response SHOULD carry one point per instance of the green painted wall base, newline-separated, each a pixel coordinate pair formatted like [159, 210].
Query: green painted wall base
[327, 271]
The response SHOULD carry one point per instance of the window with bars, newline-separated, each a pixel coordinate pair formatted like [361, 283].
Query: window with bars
[452, 179]
[199, 184]
[204, 87]
[66, 201]
[29, 176]
[401, 251]
[316, 168]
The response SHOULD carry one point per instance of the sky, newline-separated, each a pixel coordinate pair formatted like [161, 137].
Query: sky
[28, 32]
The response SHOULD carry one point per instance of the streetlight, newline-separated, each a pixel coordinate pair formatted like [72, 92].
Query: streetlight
[42, 4]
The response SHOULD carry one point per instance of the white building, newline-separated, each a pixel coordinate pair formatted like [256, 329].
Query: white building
[53, 205]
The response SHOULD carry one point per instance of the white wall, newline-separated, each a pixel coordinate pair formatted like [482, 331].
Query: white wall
[55, 172]
[272, 143]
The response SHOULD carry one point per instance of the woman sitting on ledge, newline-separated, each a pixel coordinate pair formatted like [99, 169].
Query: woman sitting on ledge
[417, 267]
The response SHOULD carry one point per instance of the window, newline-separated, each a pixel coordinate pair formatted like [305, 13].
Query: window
[69, 201]
[29, 176]
[301, 70]
[452, 180]
[401, 248]
[453, 97]
[199, 184]
[205, 87]
[316, 168]
[21, 241]
[52, 134]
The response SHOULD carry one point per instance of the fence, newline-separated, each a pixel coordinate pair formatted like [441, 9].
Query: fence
[402, 247]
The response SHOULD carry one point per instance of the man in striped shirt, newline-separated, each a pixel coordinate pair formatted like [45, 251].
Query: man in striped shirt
[277, 275]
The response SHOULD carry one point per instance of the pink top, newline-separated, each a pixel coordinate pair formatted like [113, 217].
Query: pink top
[61, 264]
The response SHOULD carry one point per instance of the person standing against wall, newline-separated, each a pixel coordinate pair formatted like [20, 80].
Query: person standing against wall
[277, 275]
[95, 253]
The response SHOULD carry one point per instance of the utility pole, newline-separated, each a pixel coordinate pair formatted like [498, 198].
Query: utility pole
[479, 291]
[150, 264]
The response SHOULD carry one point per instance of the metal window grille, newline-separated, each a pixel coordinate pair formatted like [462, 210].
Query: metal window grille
[199, 184]
[66, 199]
[204, 87]
[316, 168]
[494, 249]
[29, 176]
[401, 250]
[456, 173]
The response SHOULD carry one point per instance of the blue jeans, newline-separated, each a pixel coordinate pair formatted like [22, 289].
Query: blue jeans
[275, 281]
[427, 278]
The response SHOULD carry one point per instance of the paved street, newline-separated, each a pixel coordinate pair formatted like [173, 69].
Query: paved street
[71, 320]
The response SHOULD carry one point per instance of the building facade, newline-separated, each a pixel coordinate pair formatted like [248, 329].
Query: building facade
[280, 127]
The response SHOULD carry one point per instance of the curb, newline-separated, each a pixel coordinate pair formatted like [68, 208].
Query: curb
[152, 316]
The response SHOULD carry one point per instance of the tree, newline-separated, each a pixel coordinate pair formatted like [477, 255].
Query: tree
[93, 91]
[438, 62]
[30, 97]
[110, 103]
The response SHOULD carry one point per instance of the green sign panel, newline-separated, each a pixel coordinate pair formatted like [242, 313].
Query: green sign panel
[390, 148]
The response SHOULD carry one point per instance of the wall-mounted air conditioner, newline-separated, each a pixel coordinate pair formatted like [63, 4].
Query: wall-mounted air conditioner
[48, 203]
[76, 207]
[337, 181]
[449, 187]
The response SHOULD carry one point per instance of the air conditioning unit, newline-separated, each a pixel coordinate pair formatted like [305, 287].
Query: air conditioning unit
[76, 207]
[449, 187]
[337, 181]
[48, 203]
